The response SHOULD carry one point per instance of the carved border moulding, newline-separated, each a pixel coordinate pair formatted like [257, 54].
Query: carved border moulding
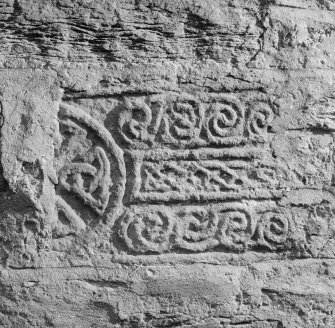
[89, 164]
[225, 227]
[189, 121]
[204, 175]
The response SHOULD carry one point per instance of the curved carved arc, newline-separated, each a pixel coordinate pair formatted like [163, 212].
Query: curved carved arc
[106, 137]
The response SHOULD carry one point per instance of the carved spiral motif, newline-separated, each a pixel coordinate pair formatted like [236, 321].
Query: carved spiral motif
[236, 227]
[274, 228]
[145, 232]
[196, 230]
[259, 119]
[135, 121]
[232, 226]
[184, 119]
[225, 118]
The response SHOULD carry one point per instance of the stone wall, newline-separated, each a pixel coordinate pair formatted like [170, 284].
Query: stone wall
[167, 163]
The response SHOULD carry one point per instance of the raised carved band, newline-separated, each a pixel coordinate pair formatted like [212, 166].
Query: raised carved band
[165, 179]
[230, 226]
[191, 121]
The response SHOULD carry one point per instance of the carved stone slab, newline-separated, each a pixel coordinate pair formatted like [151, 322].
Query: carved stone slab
[167, 163]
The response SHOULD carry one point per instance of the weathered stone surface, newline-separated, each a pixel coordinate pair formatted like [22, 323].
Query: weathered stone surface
[167, 163]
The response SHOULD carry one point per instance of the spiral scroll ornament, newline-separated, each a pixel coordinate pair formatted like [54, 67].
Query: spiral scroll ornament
[224, 119]
[135, 121]
[184, 120]
[147, 232]
[273, 229]
[259, 119]
[236, 227]
[196, 229]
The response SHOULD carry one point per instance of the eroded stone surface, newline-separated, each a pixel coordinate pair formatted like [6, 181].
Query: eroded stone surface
[167, 163]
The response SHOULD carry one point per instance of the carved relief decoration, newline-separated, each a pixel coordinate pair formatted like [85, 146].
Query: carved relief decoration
[194, 170]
